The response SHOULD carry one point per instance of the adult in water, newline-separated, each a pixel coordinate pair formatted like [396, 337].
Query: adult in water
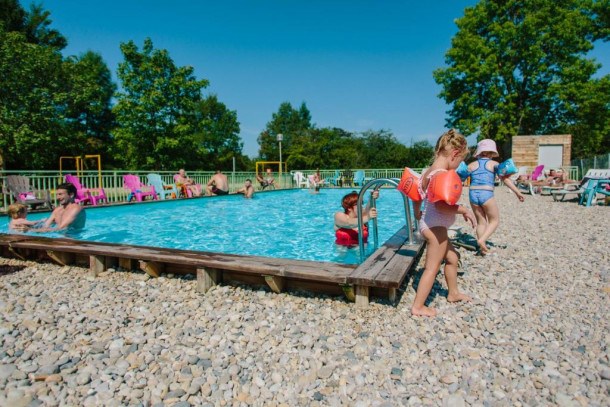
[346, 221]
[68, 215]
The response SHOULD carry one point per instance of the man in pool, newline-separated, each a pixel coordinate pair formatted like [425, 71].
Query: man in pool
[218, 184]
[68, 215]
[247, 190]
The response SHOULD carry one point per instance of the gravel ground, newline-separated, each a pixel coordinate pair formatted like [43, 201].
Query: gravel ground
[535, 334]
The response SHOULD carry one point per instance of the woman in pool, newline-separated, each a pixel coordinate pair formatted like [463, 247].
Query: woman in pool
[346, 222]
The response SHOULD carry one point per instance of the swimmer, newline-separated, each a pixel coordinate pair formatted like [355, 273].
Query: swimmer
[18, 213]
[346, 221]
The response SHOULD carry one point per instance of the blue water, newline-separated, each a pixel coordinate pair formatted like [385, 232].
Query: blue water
[292, 224]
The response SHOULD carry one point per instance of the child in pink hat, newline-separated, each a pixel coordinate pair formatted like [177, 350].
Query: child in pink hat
[481, 193]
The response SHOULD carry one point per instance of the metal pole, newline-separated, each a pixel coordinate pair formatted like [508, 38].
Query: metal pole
[280, 137]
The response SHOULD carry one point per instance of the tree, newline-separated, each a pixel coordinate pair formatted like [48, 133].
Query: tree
[35, 24]
[155, 110]
[290, 123]
[89, 110]
[383, 150]
[218, 135]
[512, 65]
[33, 132]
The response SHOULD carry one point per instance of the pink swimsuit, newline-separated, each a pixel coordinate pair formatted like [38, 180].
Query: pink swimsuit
[433, 217]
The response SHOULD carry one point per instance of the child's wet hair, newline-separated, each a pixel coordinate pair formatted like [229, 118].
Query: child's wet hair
[450, 140]
[16, 209]
[349, 200]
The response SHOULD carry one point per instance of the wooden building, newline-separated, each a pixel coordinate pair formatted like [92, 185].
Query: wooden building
[553, 151]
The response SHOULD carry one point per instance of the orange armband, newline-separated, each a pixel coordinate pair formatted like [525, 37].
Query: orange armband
[445, 186]
[408, 185]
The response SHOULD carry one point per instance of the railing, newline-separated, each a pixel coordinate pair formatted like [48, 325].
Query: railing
[112, 181]
[597, 162]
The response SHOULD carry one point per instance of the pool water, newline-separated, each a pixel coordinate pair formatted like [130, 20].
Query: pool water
[292, 224]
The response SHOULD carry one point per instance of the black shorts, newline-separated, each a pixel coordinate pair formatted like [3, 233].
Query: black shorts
[217, 191]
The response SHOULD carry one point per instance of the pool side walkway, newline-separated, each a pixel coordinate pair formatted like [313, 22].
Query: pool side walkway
[379, 275]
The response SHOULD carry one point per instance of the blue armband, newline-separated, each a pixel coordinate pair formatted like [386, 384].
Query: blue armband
[462, 171]
[506, 168]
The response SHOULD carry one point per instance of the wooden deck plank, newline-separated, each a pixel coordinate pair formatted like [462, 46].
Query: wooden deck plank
[319, 271]
[397, 268]
[377, 261]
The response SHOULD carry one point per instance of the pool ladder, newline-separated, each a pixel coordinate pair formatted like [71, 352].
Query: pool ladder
[408, 205]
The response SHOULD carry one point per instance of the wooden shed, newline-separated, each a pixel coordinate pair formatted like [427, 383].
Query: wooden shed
[553, 151]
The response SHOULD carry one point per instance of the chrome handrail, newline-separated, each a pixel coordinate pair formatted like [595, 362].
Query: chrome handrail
[378, 183]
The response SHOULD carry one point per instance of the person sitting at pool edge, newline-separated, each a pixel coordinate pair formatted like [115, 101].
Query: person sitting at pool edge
[247, 190]
[67, 216]
[267, 181]
[184, 181]
[346, 222]
[218, 184]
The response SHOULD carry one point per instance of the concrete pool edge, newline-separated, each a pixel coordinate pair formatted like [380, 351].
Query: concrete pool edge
[380, 275]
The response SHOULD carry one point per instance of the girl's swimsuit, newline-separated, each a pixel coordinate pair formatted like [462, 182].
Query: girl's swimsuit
[481, 183]
[433, 217]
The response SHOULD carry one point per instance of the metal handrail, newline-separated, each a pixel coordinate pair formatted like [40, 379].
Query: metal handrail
[378, 183]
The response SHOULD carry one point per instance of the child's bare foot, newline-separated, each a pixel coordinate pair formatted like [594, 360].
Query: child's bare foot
[423, 312]
[458, 297]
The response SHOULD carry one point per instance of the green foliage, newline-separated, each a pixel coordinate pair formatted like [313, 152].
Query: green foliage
[513, 67]
[51, 107]
[33, 132]
[89, 112]
[289, 122]
[217, 137]
[155, 110]
[35, 24]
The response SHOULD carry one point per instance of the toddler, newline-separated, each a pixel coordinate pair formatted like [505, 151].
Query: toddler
[451, 148]
[18, 214]
[481, 193]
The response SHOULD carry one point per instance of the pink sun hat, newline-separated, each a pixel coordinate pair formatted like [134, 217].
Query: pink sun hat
[486, 145]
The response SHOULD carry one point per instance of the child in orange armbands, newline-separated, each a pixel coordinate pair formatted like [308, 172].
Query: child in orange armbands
[438, 185]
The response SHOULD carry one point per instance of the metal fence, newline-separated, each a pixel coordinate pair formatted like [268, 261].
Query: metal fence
[112, 181]
[597, 162]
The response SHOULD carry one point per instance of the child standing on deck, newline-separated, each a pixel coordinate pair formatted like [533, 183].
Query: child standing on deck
[451, 148]
[481, 194]
[18, 214]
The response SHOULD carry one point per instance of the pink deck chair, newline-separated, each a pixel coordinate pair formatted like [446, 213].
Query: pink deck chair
[84, 195]
[526, 185]
[137, 189]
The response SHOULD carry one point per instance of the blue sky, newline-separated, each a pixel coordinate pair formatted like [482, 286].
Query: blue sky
[357, 64]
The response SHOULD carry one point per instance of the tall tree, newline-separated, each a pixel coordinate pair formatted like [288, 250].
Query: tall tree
[218, 135]
[35, 24]
[33, 133]
[513, 62]
[290, 123]
[89, 110]
[155, 110]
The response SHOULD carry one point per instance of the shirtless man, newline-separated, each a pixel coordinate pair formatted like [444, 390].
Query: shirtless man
[268, 180]
[247, 190]
[218, 184]
[184, 181]
[68, 215]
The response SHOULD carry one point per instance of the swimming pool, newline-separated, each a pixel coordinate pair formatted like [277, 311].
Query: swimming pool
[290, 224]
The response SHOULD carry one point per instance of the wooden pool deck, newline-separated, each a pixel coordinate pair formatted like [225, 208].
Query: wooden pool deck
[380, 275]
